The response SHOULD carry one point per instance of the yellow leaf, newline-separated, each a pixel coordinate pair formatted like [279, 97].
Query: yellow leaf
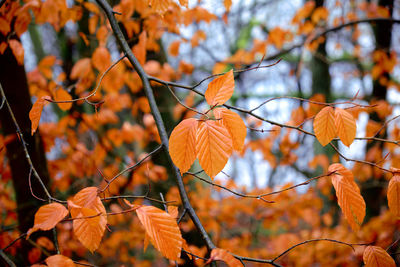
[348, 194]
[235, 125]
[182, 144]
[163, 231]
[89, 231]
[62, 95]
[36, 112]
[393, 195]
[47, 217]
[345, 126]
[218, 254]
[377, 257]
[220, 89]
[324, 125]
[213, 146]
[59, 261]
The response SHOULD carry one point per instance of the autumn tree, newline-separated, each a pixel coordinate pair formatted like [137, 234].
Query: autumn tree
[190, 133]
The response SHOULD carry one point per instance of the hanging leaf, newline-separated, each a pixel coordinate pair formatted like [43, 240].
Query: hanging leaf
[345, 126]
[235, 125]
[47, 217]
[377, 257]
[59, 261]
[36, 112]
[85, 204]
[349, 198]
[393, 195]
[220, 89]
[213, 146]
[182, 144]
[18, 50]
[162, 230]
[62, 95]
[324, 125]
[160, 6]
[227, 4]
[140, 49]
[218, 254]
[101, 58]
[184, 3]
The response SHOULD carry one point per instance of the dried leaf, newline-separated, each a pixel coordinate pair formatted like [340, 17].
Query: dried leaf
[18, 50]
[59, 261]
[377, 257]
[218, 254]
[36, 112]
[160, 6]
[47, 217]
[140, 49]
[345, 126]
[235, 125]
[213, 146]
[324, 125]
[182, 144]
[393, 195]
[89, 231]
[184, 3]
[62, 95]
[349, 198]
[163, 231]
[101, 58]
[220, 89]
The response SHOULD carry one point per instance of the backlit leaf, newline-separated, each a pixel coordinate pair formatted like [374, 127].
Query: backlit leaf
[345, 126]
[162, 230]
[324, 125]
[89, 231]
[36, 112]
[182, 144]
[213, 146]
[218, 254]
[377, 257]
[59, 261]
[62, 95]
[160, 6]
[220, 89]
[48, 216]
[348, 194]
[184, 3]
[393, 195]
[235, 125]
[227, 4]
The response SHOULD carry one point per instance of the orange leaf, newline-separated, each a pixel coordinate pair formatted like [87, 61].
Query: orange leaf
[17, 50]
[218, 254]
[173, 49]
[36, 112]
[393, 195]
[348, 193]
[377, 257]
[163, 231]
[345, 126]
[324, 125]
[227, 4]
[47, 217]
[184, 3]
[59, 261]
[182, 144]
[89, 231]
[101, 58]
[213, 147]
[62, 95]
[220, 89]
[160, 6]
[235, 125]
[140, 49]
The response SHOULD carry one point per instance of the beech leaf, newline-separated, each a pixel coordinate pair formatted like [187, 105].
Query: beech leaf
[59, 261]
[393, 195]
[89, 231]
[234, 124]
[63, 95]
[213, 146]
[348, 194]
[47, 217]
[36, 112]
[377, 257]
[346, 127]
[324, 125]
[220, 89]
[182, 144]
[218, 254]
[162, 230]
